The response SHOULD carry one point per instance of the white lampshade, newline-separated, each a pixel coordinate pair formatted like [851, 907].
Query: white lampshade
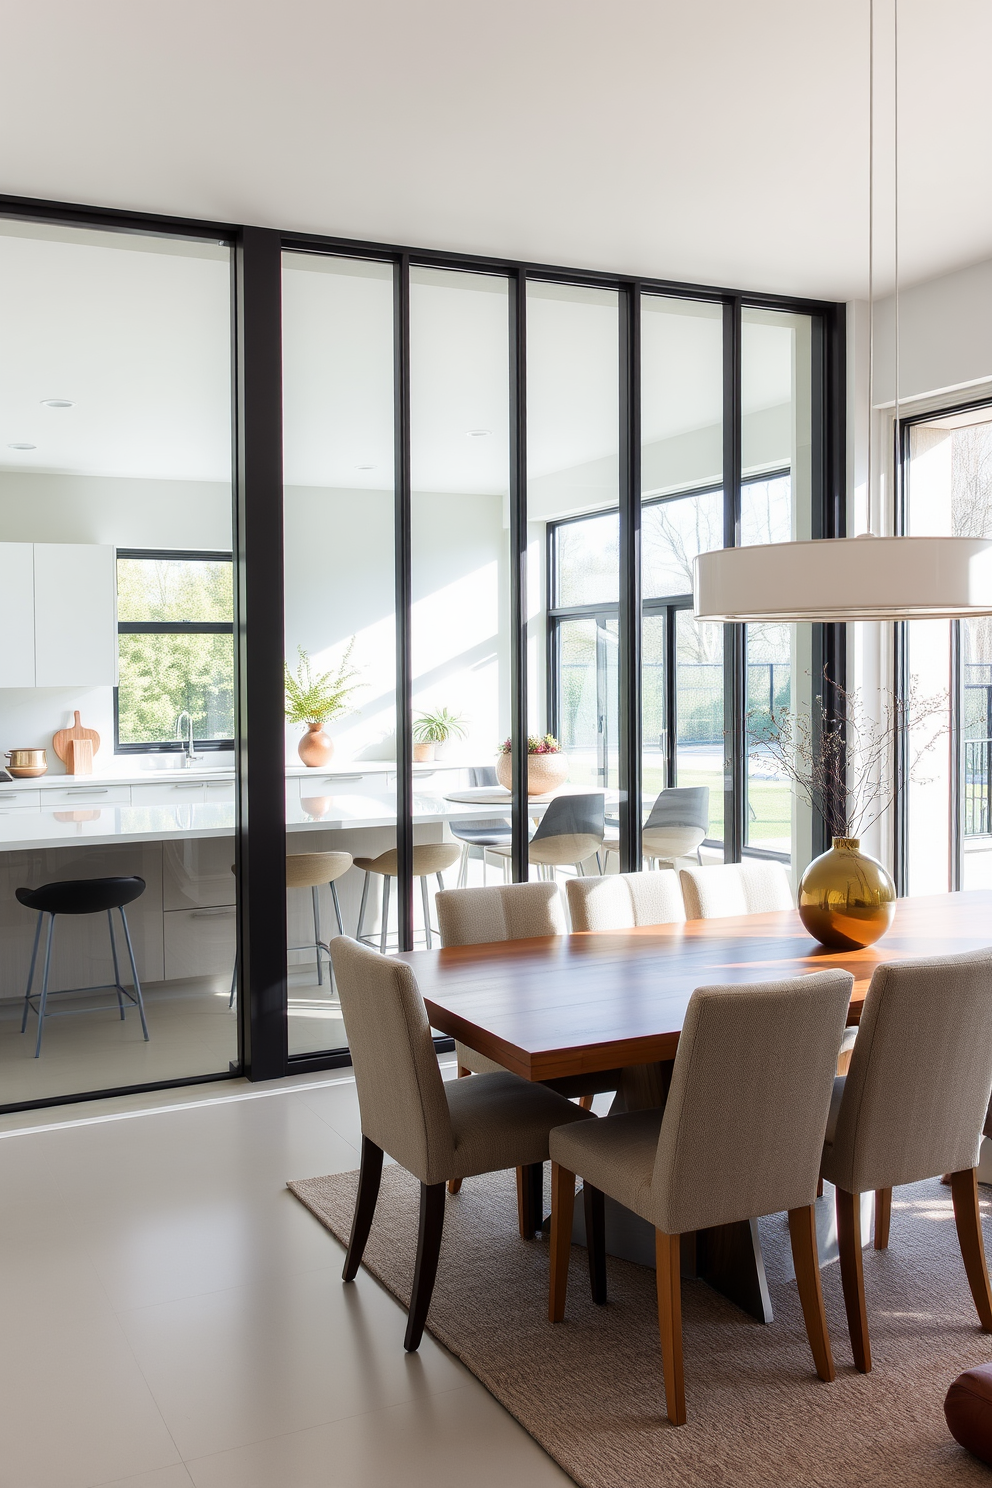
[846, 578]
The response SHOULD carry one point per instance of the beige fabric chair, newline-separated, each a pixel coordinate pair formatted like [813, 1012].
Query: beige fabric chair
[735, 889]
[913, 1105]
[622, 901]
[435, 1130]
[740, 1136]
[430, 857]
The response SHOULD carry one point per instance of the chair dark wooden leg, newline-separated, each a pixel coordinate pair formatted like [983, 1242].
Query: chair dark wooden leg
[819, 1188]
[667, 1250]
[802, 1233]
[562, 1208]
[594, 1207]
[964, 1193]
[852, 1275]
[530, 1200]
[368, 1192]
[883, 1215]
[428, 1250]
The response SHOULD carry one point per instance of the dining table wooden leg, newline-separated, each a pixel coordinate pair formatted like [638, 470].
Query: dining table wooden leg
[883, 1217]
[562, 1209]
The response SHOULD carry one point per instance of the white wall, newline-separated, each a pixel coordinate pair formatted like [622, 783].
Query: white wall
[945, 335]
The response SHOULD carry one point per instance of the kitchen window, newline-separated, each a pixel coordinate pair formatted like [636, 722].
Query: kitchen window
[175, 646]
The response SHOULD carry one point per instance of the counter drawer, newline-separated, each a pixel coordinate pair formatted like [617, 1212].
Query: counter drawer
[199, 942]
[196, 873]
[100, 795]
[321, 783]
[167, 793]
[13, 799]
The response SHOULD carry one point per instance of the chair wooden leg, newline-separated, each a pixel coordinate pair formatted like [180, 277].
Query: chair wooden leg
[667, 1250]
[530, 1199]
[562, 1208]
[802, 1233]
[964, 1193]
[594, 1206]
[852, 1275]
[428, 1250]
[585, 1101]
[368, 1192]
[819, 1188]
[883, 1215]
[454, 1184]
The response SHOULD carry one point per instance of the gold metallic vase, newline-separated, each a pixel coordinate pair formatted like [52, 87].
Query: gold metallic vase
[846, 898]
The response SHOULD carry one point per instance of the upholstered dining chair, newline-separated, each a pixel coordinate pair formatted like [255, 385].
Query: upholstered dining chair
[740, 1136]
[913, 1105]
[571, 831]
[509, 912]
[676, 827]
[735, 889]
[622, 901]
[435, 1129]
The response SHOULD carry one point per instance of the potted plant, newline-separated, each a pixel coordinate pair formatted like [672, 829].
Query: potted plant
[547, 766]
[315, 700]
[842, 760]
[431, 732]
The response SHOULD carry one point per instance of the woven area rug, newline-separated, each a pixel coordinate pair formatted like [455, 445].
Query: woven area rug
[590, 1390]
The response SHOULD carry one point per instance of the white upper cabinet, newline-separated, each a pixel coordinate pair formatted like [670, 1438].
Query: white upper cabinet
[16, 614]
[58, 615]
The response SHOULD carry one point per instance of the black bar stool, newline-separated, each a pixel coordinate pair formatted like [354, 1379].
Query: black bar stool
[76, 897]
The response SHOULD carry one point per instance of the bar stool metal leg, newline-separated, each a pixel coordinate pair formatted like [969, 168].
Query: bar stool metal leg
[361, 912]
[337, 907]
[117, 968]
[34, 958]
[427, 909]
[316, 933]
[44, 985]
[386, 885]
[134, 973]
[463, 867]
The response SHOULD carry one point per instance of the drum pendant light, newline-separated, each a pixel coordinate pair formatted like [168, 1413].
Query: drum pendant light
[852, 578]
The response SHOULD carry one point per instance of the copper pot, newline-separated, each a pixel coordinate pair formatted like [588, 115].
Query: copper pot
[26, 763]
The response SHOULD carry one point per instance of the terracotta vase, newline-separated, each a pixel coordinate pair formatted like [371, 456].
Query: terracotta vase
[423, 752]
[544, 772]
[315, 748]
[846, 898]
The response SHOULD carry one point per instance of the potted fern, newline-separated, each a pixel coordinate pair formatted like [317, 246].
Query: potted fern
[431, 732]
[314, 699]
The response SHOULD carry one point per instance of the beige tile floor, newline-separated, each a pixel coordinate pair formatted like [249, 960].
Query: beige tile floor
[173, 1317]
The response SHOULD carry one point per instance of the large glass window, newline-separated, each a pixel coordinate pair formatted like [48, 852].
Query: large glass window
[175, 650]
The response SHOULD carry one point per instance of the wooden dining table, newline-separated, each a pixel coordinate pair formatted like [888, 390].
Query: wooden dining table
[581, 1004]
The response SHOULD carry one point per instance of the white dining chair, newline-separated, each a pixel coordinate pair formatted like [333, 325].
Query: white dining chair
[735, 889]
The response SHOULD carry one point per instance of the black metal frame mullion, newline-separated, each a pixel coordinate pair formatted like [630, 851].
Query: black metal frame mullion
[734, 643]
[403, 578]
[260, 757]
[629, 753]
[517, 310]
[955, 865]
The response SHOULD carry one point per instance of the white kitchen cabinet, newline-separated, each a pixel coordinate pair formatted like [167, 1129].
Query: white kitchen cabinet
[75, 615]
[197, 873]
[17, 614]
[199, 942]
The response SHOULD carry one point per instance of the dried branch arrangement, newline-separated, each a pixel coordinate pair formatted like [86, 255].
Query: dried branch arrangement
[842, 759]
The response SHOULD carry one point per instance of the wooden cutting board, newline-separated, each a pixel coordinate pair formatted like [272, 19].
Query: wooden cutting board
[60, 741]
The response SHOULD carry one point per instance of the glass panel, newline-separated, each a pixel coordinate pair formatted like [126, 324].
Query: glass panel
[115, 392]
[949, 492]
[459, 369]
[766, 511]
[681, 463]
[340, 618]
[699, 713]
[573, 469]
[587, 561]
[768, 819]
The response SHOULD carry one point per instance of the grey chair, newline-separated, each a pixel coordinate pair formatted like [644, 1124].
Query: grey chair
[911, 1106]
[570, 831]
[436, 1130]
[622, 901]
[477, 836]
[676, 826]
[740, 1136]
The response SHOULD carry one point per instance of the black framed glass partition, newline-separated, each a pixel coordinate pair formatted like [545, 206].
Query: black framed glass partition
[414, 433]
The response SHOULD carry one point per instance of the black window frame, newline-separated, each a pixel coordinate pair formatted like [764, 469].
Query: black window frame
[172, 627]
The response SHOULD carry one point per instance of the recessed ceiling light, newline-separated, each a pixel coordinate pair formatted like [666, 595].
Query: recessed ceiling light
[57, 403]
[478, 433]
[22, 446]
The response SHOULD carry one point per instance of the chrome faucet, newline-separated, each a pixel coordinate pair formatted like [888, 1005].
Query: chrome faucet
[189, 754]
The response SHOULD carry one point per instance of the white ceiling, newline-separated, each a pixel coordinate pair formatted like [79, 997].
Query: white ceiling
[716, 141]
